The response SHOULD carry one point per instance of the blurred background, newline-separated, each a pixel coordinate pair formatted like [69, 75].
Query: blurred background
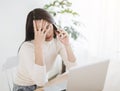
[96, 35]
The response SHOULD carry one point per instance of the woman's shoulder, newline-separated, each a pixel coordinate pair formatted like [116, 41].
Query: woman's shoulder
[27, 44]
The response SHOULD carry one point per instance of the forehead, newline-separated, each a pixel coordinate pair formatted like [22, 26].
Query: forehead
[42, 21]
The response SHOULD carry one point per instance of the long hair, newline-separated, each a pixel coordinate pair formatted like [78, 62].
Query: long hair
[36, 14]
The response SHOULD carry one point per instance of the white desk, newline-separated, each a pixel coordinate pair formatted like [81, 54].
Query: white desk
[57, 84]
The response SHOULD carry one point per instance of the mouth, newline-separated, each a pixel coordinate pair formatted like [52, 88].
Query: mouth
[49, 37]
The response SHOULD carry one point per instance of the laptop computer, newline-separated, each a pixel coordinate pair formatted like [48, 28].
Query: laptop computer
[88, 78]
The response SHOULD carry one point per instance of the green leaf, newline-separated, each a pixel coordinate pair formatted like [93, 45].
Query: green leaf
[61, 7]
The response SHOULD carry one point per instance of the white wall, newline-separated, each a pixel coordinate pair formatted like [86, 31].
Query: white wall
[110, 33]
[102, 21]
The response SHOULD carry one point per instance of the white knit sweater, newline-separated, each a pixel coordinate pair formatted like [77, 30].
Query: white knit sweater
[29, 73]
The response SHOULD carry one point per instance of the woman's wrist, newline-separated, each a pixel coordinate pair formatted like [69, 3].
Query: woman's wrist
[39, 53]
[38, 44]
[68, 46]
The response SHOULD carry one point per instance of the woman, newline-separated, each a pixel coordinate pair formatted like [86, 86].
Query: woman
[38, 52]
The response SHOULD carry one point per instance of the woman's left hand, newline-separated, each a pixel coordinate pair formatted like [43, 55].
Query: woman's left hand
[63, 37]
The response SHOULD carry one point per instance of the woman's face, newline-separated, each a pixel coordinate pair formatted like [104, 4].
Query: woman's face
[50, 33]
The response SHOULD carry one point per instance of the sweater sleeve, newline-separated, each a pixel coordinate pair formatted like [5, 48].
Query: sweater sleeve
[27, 58]
[63, 54]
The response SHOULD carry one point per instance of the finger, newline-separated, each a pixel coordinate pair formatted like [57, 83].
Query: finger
[63, 31]
[64, 36]
[49, 28]
[58, 31]
[59, 35]
[43, 23]
[40, 25]
[34, 26]
[59, 38]
[45, 27]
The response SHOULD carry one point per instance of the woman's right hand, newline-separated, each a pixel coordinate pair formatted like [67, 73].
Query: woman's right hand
[40, 30]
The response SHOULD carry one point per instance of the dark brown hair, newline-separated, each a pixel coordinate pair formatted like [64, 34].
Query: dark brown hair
[37, 14]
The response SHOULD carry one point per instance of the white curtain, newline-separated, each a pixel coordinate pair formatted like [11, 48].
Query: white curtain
[109, 32]
[102, 26]
[102, 29]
